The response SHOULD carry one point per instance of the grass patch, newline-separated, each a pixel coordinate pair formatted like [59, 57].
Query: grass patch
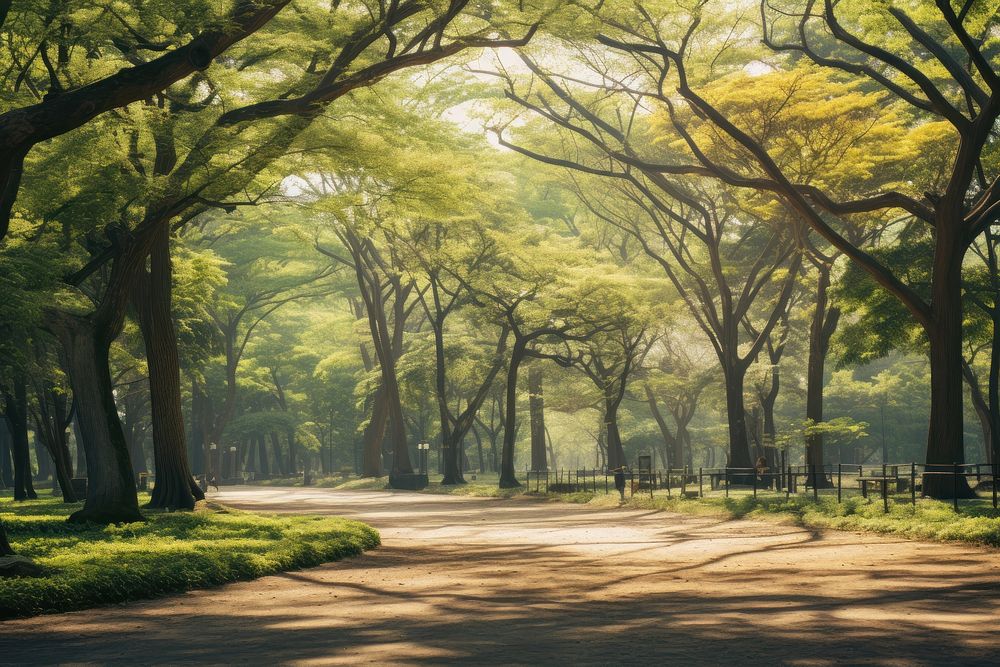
[976, 523]
[172, 552]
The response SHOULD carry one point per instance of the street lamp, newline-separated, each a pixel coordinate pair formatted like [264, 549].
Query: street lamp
[422, 448]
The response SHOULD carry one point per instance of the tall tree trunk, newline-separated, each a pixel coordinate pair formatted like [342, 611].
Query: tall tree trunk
[81, 451]
[52, 419]
[821, 329]
[508, 477]
[371, 453]
[42, 458]
[175, 488]
[6, 464]
[616, 454]
[111, 493]
[739, 446]
[17, 422]
[196, 440]
[945, 444]
[536, 410]
[279, 465]
[672, 455]
[479, 450]
[293, 465]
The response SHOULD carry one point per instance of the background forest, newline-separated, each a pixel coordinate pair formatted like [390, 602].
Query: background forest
[532, 235]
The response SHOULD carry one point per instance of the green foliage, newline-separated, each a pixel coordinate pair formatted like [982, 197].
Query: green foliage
[172, 552]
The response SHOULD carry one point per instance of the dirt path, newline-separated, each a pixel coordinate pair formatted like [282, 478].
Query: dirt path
[485, 581]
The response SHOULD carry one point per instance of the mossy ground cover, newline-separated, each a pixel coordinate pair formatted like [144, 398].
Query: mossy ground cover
[89, 565]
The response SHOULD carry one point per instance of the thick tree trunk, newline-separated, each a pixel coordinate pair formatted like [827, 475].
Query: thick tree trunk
[616, 455]
[111, 493]
[371, 453]
[396, 425]
[17, 422]
[536, 410]
[739, 446]
[508, 478]
[174, 488]
[945, 445]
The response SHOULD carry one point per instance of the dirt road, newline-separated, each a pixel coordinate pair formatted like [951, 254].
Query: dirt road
[525, 582]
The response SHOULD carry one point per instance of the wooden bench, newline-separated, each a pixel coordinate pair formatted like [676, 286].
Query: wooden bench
[891, 477]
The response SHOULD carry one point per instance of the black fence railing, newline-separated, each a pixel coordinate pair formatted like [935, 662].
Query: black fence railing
[883, 481]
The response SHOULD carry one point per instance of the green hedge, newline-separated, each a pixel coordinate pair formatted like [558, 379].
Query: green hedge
[172, 552]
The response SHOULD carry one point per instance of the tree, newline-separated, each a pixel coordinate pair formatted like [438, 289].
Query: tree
[963, 92]
[63, 107]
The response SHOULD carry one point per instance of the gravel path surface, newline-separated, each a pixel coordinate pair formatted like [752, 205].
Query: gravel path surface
[478, 581]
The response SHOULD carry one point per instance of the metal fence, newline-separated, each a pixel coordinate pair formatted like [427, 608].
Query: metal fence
[896, 481]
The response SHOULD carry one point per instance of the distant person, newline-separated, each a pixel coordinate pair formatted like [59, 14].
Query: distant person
[620, 481]
[761, 469]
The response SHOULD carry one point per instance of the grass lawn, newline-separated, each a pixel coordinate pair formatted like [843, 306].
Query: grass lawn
[86, 566]
[976, 522]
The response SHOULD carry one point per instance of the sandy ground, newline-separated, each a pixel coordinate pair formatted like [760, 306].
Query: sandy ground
[477, 581]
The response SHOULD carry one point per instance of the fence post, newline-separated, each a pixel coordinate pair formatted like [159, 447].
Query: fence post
[954, 485]
[885, 485]
[684, 480]
[754, 475]
[701, 492]
[840, 473]
[788, 484]
[727, 481]
[815, 486]
[996, 467]
[913, 483]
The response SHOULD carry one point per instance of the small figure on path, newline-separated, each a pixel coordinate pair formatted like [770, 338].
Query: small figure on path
[620, 480]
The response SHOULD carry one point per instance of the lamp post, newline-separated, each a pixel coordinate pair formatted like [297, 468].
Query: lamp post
[422, 448]
[232, 458]
[212, 467]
